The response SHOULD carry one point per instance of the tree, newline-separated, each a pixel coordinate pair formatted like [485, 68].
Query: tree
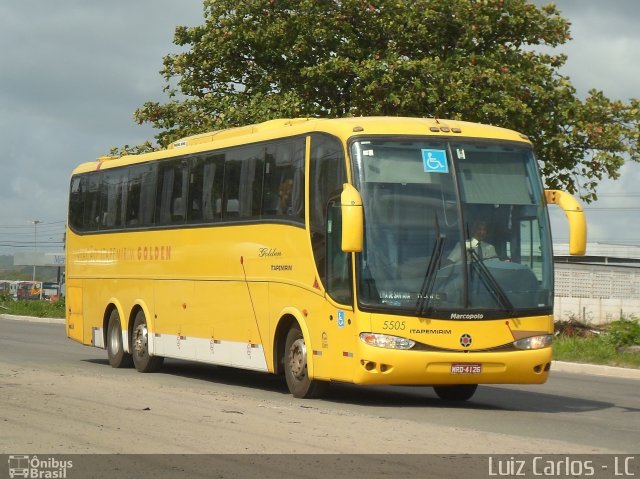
[474, 60]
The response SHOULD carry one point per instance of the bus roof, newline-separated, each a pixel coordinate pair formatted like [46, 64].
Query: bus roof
[340, 127]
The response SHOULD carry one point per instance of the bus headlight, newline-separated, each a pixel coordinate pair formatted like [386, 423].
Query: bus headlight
[386, 341]
[534, 342]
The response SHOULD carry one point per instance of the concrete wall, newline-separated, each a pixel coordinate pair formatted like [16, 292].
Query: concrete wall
[596, 293]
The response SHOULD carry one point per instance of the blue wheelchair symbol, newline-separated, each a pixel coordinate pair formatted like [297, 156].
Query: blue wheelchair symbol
[435, 161]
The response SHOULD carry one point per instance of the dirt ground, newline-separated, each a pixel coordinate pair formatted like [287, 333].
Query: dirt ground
[77, 412]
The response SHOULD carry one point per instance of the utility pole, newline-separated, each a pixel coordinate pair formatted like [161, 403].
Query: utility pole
[35, 243]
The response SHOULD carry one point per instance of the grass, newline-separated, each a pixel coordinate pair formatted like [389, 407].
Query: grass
[592, 351]
[577, 342]
[40, 309]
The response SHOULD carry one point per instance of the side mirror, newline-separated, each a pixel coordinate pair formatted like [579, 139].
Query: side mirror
[352, 219]
[575, 216]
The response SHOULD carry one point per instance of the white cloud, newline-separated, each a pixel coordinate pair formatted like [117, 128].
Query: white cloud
[72, 74]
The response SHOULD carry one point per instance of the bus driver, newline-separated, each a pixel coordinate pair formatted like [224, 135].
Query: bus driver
[484, 249]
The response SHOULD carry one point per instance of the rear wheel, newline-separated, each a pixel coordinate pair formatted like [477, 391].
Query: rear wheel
[459, 392]
[118, 358]
[295, 367]
[140, 347]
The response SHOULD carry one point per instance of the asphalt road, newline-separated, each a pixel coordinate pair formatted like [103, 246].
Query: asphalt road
[58, 396]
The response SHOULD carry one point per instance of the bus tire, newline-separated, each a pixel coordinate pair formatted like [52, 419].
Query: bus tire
[142, 360]
[118, 358]
[295, 367]
[458, 392]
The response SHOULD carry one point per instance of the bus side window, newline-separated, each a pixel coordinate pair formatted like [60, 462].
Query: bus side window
[78, 184]
[172, 191]
[283, 192]
[196, 183]
[140, 196]
[205, 188]
[277, 174]
[338, 278]
[112, 193]
[297, 187]
[251, 181]
[243, 176]
[91, 200]
[230, 205]
[326, 177]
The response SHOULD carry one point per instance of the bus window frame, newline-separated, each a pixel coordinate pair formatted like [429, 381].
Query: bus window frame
[296, 142]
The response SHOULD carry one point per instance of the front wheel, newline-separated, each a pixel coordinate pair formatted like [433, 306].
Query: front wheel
[118, 358]
[459, 392]
[143, 362]
[295, 367]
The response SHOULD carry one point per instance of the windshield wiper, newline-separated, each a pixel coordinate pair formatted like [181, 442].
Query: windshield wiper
[424, 295]
[490, 282]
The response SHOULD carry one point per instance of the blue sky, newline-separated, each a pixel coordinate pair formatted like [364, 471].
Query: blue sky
[74, 71]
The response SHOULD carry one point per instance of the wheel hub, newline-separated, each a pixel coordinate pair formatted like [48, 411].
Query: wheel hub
[140, 340]
[298, 359]
[115, 339]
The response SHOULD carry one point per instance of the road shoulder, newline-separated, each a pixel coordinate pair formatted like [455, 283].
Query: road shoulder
[595, 369]
[32, 319]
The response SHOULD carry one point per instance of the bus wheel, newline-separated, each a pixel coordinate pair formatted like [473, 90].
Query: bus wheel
[118, 358]
[295, 367]
[459, 392]
[140, 347]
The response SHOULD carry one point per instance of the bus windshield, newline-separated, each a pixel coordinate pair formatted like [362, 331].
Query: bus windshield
[452, 229]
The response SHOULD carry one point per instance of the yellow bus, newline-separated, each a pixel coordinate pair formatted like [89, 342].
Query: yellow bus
[403, 251]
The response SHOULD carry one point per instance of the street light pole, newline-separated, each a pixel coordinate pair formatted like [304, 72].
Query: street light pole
[35, 243]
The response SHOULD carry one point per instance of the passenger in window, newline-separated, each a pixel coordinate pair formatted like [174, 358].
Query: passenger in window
[286, 187]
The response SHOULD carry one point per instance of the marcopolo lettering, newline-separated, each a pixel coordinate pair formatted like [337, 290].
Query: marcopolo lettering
[467, 316]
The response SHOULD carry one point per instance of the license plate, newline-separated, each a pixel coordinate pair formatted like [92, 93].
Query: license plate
[466, 368]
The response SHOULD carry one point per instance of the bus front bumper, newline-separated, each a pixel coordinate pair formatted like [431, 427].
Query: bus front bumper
[405, 367]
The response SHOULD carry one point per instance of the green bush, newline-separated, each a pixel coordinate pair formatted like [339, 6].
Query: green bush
[624, 332]
[583, 343]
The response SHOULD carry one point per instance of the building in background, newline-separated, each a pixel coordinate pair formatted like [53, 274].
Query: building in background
[600, 287]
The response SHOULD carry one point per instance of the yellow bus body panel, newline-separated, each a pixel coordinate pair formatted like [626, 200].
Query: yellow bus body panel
[75, 315]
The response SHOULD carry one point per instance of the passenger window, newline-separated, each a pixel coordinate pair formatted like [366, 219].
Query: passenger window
[205, 188]
[231, 204]
[171, 195]
[284, 180]
[243, 174]
[112, 193]
[141, 193]
[78, 185]
[91, 200]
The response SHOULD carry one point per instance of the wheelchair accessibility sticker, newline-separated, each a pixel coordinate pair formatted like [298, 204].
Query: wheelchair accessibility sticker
[435, 161]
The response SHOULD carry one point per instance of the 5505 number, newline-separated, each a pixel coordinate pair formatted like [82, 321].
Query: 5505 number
[394, 325]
